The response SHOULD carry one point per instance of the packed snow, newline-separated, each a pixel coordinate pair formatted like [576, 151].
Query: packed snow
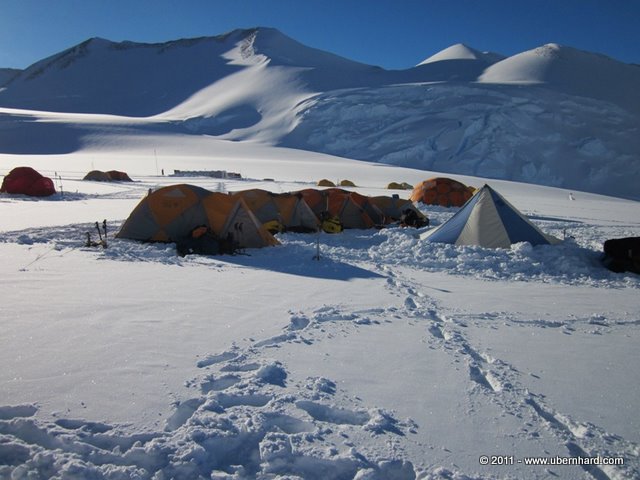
[389, 357]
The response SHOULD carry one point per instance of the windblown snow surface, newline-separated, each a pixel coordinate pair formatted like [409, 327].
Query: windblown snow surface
[389, 358]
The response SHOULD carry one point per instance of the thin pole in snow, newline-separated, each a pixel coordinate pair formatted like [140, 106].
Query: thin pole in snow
[317, 255]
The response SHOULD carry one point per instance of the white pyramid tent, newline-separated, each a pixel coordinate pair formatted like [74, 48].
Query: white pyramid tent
[488, 220]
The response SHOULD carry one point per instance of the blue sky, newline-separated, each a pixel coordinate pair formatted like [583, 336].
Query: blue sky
[391, 34]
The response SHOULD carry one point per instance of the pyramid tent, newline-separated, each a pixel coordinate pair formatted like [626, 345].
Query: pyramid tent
[27, 181]
[171, 213]
[488, 220]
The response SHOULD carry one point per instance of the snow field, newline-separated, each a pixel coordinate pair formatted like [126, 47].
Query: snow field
[389, 358]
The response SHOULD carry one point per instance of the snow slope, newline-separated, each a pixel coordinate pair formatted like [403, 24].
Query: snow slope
[552, 116]
[389, 358]
[7, 74]
[99, 76]
[494, 130]
[460, 51]
[135, 79]
[572, 71]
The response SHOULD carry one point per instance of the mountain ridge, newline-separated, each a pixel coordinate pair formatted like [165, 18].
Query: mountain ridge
[553, 115]
[458, 62]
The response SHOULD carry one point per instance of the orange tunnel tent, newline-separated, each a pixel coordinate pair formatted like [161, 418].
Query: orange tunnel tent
[170, 213]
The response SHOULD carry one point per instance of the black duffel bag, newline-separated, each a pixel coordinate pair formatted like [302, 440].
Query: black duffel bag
[622, 254]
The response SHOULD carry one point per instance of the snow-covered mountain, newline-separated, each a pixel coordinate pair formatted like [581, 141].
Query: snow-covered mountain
[135, 79]
[572, 71]
[7, 74]
[460, 51]
[553, 115]
[99, 76]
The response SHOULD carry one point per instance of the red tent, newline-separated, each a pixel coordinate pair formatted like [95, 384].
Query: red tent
[27, 181]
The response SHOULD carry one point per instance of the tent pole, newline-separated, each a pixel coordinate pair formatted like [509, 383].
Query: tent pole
[317, 255]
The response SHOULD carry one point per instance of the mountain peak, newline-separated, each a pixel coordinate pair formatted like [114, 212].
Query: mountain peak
[460, 51]
[570, 70]
[284, 50]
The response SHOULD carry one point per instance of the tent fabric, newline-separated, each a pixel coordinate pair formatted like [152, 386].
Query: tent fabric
[347, 183]
[325, 183]
[365, 203]
[280, 212]
[261, 203]
[119, 176]
[442, 191]
[393, 207]
[488, 220]
[27, 181]
[97, 176]
[396, 209]
[351, 209]
[399, 186]
[110, 176]
[315, 199]
[295, 214]
[247, 218]
[170, 214]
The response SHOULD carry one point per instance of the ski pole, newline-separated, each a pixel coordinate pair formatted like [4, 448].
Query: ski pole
[99, 232]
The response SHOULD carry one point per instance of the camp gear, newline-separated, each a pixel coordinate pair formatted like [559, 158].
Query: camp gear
[622, 254]
[395, 209]
[331, 225]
